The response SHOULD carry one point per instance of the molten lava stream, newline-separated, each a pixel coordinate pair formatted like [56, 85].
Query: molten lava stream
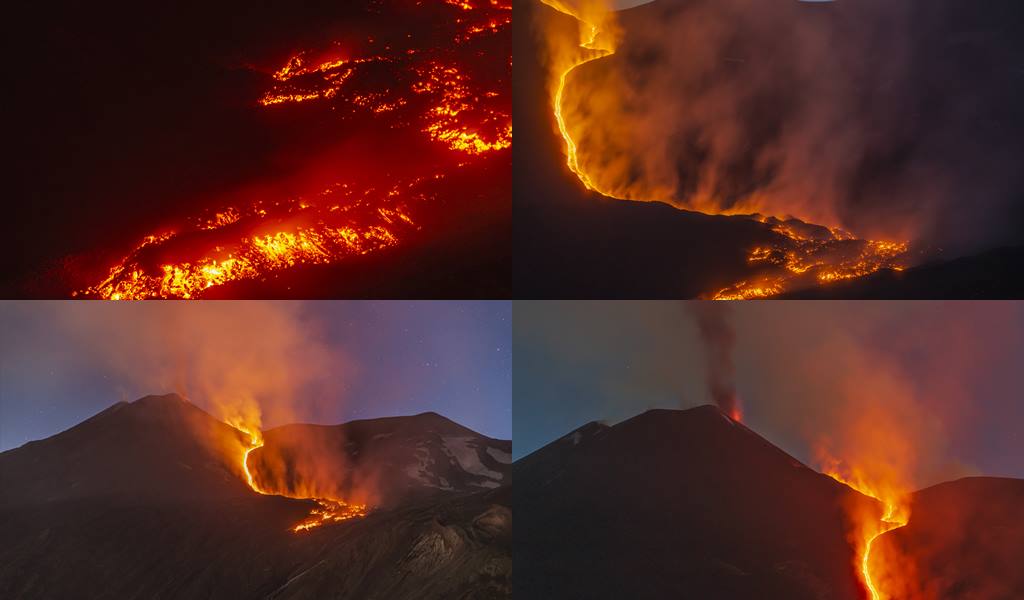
[329, 510]
[797, 258]
[897, 514]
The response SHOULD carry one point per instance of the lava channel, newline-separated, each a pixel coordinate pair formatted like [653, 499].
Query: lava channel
[328, 510]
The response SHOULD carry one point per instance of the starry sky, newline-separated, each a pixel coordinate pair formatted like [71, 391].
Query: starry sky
[939, 381]
[329, 362]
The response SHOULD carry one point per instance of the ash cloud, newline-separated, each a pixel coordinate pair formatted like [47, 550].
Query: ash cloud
[718, 337]
[891, 119]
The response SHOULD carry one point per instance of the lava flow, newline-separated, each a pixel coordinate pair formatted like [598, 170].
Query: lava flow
[870, 527]
[329, 510]
[803, 253]
[441, 96]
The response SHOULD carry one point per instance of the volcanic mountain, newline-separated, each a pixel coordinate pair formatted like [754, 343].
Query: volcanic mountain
[147, 500]
[693, 504]
[572, 242]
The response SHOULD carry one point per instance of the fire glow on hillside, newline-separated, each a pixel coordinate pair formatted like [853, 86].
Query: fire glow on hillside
[869, 526]
[328, 510]
[802, 255]
[434, 94]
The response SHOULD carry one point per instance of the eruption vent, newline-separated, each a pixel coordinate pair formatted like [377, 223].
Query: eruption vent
[714, 322]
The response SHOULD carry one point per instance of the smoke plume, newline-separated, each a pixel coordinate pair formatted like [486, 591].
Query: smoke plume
[714, 322]
[893, 120]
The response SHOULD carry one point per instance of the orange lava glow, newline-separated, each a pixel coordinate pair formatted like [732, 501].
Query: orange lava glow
[822, 257]
[797, 260]
[437, 93]
[328, 510]
[274, 238]
[870, 527]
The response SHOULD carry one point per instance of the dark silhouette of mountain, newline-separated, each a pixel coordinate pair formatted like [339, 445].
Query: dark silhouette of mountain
[141, 501]
[687, 504]
[572, 243]
[964, 540]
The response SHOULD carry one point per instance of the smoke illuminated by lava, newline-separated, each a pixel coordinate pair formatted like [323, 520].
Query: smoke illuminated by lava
[803, 254]
[434, 94]
[328, 510]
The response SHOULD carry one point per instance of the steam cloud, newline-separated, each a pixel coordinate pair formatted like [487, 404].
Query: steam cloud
[239, 360]
[714, 322]
[879, 117]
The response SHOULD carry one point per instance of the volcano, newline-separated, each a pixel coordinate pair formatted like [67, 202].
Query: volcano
[358, 149]
[579, 236]
[143, 500]
[695, 504]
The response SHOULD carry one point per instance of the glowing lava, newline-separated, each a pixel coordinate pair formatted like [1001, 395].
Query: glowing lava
[796, 258]
[239, 244]
[440, 93]
[328, 510]
[588, 42]
[897, 514]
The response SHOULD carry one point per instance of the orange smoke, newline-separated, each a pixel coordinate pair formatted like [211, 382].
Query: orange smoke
[328, 510]
[876, 453]
[795, 260]
[868, 525]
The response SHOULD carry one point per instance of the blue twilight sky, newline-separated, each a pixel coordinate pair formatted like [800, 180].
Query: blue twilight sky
[322, 362]
[935, 385]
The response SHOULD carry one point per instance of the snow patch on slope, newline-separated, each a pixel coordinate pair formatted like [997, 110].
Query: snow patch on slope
[464, 451]
[499, 455]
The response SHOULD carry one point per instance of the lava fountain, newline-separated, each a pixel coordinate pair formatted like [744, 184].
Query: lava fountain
[803, 254]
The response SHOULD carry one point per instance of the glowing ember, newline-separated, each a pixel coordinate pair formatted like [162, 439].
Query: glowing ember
[327, 511]
[454, 98]
[833, 255]
[237, 245]
[435, 95]
[897, 514]
[797, 258]
[330, 511]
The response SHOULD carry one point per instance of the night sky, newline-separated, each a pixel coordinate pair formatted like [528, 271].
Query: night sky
[946, 373]
[62, 362]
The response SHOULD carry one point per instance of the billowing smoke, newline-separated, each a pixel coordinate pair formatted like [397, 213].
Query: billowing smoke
[242, 361]
[894, 120]
[714, 322]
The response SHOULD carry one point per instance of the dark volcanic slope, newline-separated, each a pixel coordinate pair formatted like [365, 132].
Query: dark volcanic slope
[685, 504]
[390, 461]
[137, 503]
[966, 540]
[159, 447]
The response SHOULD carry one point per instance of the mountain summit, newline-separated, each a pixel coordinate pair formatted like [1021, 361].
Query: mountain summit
[679, 503]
